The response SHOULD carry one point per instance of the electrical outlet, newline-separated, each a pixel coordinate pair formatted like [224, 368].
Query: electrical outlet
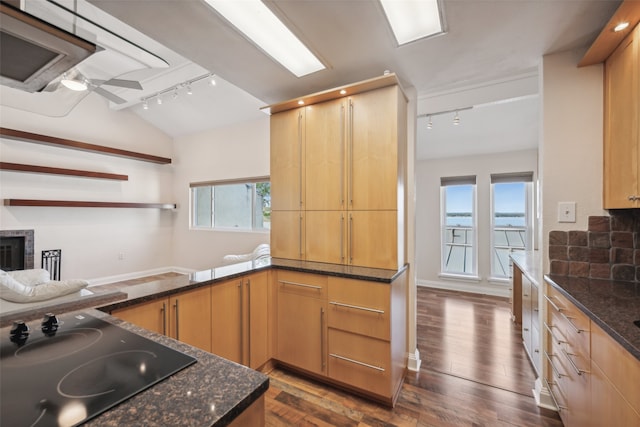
[567, 212]
[120, 256]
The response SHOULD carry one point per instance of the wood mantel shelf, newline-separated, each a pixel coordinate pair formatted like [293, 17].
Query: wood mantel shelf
[19, 167]
[85, 204]
[81, 146]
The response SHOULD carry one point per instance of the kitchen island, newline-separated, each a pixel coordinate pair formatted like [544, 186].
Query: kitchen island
[211, 392]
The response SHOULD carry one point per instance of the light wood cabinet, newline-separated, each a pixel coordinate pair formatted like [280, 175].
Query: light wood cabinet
[226, 320]
[347, 331]
[185, 316]
[351, 154]
[569, 357]
[301, 324]
[287, 132]
[240, 320]
[621, 174]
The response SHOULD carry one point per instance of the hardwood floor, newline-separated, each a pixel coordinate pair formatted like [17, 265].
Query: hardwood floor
[474, 373]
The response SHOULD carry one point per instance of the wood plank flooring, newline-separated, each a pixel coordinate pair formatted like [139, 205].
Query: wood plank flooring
[474, 373]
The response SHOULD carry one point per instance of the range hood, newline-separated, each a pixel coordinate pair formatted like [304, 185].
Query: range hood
[34, 52]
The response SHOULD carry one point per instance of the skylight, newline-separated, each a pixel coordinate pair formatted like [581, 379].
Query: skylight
[262, 27]
[412, 20]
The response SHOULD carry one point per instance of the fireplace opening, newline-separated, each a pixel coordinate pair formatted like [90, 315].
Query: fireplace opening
[16, 249]
[11, 253]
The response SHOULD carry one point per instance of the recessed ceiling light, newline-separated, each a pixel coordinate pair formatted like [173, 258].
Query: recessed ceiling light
[301, 102]
[412, 20]
[621, 26]
[343, 92]
[262, 27]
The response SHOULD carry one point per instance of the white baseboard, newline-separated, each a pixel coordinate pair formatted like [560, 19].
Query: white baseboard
[543, 396]
[137, 274]
[413, 361]
[475, 288]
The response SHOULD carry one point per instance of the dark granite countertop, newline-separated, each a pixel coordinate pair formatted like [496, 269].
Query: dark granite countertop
[613, 305]
[152, 290]
[85, 298]
[211, 392]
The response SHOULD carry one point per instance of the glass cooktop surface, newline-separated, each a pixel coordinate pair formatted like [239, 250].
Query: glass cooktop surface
[68, 373]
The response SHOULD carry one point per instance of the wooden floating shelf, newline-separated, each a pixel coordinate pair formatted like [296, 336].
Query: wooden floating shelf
[81, 146]
[18, 167]
[85, 204]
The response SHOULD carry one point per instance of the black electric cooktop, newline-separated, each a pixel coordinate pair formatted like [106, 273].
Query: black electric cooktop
[67, 376]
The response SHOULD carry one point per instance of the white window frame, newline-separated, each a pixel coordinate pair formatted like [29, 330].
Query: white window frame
[464, 276]
[213, 227]
[527, 178]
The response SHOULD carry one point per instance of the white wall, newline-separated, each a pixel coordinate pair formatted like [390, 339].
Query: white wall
[428, 174]
[237, 151]
[571, 142]
[91, 238]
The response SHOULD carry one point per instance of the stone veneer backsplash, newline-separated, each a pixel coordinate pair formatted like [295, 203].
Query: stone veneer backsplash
[609, 249]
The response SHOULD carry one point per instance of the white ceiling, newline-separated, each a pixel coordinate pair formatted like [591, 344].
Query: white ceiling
[486, 41]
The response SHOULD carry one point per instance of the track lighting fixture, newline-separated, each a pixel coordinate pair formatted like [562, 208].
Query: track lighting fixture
[456, 116]
[175, 90]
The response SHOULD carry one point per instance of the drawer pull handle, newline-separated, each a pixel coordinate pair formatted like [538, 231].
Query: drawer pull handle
[366, 365]
[573, 325]
[560, 408]
[372, 310]
[302, 285]
[552, 304]
[573, 364]
[553, 367]
[633, 198]
[553, 336]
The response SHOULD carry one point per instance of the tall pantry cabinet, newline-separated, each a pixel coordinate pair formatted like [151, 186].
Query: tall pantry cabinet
[337, 176]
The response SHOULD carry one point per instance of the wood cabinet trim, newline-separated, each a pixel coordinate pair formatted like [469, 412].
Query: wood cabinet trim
[327, 95]
[608, 40]
[80, 146]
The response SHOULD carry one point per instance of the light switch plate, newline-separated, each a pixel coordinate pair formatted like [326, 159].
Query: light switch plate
[566, 211]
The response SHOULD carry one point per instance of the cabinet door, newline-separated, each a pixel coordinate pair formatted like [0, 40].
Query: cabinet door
[190, 318]
[609, 407]
[226, 320]
[301, 331]
[373, 149]
[287, 234]
[372, 239]
[287, 160]
[622, 117]
[325, 236]
[526, 314]
[325, 156]
[257, 334]
[149, 315]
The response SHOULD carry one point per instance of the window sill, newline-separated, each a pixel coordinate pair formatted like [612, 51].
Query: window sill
[460, 277]
[499, 280]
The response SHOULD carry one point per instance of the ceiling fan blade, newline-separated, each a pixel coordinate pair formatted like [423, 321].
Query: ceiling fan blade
[128, 84]
[110, 96]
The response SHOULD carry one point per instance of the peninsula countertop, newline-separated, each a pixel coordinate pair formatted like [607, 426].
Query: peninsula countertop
[211, 392]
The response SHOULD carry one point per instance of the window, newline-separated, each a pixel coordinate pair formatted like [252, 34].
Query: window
[458, 223]
[242, 205]
[510, 218]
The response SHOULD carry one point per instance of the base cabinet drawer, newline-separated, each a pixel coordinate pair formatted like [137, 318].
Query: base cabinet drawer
[360, 361]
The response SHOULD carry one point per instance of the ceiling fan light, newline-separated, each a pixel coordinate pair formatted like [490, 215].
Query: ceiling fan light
[75, 85]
